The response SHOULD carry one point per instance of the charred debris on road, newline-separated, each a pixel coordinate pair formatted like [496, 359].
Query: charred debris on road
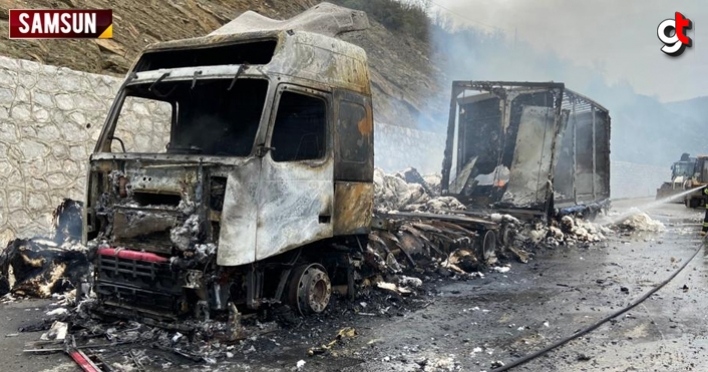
[417, 237]
[197, 243]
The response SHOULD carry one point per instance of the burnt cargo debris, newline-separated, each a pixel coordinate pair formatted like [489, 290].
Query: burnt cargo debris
[527, 147]
[408, 191]
[42, 266]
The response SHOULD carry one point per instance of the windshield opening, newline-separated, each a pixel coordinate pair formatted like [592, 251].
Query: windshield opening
[683, 169]
[209, 117]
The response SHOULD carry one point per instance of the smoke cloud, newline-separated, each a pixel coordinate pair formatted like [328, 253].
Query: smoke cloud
[604, 49]
[615, 38]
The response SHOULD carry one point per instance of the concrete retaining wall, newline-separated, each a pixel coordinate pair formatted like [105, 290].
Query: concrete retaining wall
[50, 118]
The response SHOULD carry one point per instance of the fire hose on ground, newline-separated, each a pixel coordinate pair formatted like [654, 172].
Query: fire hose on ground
[532, 356]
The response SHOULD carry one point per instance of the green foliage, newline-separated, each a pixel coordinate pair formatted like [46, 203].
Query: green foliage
[409, 17]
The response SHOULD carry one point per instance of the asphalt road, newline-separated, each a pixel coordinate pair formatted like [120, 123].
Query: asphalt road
[469, 325]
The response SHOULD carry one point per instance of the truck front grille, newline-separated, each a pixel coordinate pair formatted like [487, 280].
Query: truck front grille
[137, 280]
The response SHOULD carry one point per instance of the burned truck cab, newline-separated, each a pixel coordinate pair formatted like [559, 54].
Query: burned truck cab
[234, 170]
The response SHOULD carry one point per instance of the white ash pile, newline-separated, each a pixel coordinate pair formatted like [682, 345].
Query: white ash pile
[408, 191]
[41, 267]
[434, 181]
[568, 231]
[636, 220]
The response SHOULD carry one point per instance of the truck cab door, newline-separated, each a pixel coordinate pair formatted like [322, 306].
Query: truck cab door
[295, 200]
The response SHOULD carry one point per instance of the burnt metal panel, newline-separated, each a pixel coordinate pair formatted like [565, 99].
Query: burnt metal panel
[486, 124]
[564, 175]
[585, 157]
[143, 230]
[354, 137]
[529, 183]
[295, 197]
[239, 216]
[295, 206]
[588, 136]
[324, 18]
[602, 154]
[353, 207]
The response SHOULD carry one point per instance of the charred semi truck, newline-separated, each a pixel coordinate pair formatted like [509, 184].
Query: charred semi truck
[235, 170]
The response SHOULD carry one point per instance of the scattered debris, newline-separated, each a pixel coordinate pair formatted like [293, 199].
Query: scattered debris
[343, 333]
[57, 311]
[497, 364]
[409, 192]
[393, 288]
[41, 267]
[58, 331]
[569, 231]
[410, 281]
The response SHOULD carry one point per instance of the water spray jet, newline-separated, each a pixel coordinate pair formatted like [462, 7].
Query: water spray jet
[638, 209]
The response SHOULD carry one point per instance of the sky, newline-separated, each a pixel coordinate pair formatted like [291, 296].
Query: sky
[617, 37]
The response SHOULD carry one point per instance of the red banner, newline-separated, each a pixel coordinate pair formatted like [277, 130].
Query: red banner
[61, 24]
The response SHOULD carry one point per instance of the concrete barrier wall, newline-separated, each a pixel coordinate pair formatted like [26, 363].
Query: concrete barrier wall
[50, 118]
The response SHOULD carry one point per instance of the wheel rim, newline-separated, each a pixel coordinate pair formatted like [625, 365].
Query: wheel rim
[311, 289]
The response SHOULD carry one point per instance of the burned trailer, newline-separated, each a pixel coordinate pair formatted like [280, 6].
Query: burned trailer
[526, 148]
[250, 181]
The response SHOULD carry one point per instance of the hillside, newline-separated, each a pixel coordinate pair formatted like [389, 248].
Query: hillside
[695, 109]
[651, 133]
[402, 77]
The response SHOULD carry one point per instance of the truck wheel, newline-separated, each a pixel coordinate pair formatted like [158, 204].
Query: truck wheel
[310, 289]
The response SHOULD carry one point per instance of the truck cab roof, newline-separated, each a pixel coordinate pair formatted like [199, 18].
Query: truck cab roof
[304, 47]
